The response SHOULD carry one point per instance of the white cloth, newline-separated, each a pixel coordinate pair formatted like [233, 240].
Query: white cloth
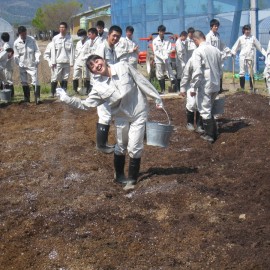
[125, 51]
[126, 93]
[162, 50]
[247, 46]
[104, 35]
[207, 70]
[191, 104]
[26, 52]
[267, 68]
[62, 50]
[47, 55]
[181, 57]
[191, 46]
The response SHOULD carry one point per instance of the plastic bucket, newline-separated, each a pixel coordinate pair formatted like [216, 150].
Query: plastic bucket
[218, 106]
[158, 134]
[5, 94]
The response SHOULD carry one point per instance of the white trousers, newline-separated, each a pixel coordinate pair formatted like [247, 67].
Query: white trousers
[32, 72]
[130, 136]
[243, 66]
[191, 102]
[180, 65]
[164, 69]
[61, 72]
[104, 114]
[80, 72]
[205, 103]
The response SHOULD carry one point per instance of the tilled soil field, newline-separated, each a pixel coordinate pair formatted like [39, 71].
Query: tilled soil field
[196, 206]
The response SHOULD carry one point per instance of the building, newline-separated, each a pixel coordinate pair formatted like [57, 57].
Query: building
[88, 19]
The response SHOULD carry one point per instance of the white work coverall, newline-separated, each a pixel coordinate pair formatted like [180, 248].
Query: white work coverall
[62, 56]
[266, 72]
[214, 39]
[79, 70]
[109, 54]
[104, 36]
[162, 50]
[3, 64]
[9, 66]
[25, 56]
[247, 46]
[90, 46]
[181, 57]
[125, 51]
[126, 93]
[191, 104]
[47, 56]
[207, 68]
[191, 46]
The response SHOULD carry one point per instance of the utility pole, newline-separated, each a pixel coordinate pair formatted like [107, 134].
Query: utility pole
[254, 26]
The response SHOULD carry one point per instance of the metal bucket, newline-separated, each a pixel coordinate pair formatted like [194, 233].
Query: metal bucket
[158, 134]
[218, 106]
[5, 95]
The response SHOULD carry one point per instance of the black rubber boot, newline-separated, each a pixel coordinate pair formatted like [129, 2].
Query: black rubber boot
[178, 85]
[199, 123]
[12, 90]
[53, 88]
[133, 170]
[210, 129]
[190, 120]
[102, 138]
[119, 165]
[162, 86]
[242, 83]
[75, 85]
[88, 86]
[220, 89]
[26, 93]
[37, 94]
[64, 85]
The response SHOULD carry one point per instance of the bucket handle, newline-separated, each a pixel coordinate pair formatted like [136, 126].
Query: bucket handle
[166, 115]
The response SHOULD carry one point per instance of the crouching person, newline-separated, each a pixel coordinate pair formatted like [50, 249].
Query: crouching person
[125, 90]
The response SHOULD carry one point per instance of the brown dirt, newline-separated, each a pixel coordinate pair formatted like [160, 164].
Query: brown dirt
[60, 208]
[196, 206]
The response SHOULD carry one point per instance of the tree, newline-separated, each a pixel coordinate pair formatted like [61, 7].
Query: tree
[49, 16]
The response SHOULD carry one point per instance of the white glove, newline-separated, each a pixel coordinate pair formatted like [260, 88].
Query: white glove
[61, 93]
[21, 65]
[36, 62]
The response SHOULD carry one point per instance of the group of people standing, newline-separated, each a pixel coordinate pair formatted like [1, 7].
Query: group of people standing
[107, 64]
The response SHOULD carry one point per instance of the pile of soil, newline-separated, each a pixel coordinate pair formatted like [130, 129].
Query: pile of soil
[196, 206]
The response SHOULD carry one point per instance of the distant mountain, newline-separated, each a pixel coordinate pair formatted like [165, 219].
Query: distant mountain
[23, 11]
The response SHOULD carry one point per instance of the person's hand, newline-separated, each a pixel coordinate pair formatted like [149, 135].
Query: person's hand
[21, 65]
[61, 93]
[159, 104]
[182, 94]
[36, 62]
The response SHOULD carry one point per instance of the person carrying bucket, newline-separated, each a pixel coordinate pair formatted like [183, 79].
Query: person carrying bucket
[125, 90]
[205, 82]
[247, 45]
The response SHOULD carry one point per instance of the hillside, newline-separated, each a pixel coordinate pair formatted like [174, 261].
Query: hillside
[22, 11]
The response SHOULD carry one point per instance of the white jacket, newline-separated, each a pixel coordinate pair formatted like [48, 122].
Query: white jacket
[181, 52]
[48, 54]
[161, 50]
[125, 92]
[207, 68]
[107, 53]
[266, 72]
[214, 39]
[124, 50]
[91, 46]
[191, 46]
[26, 52]
[80, 56]
[62, 50]
[247, 45]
